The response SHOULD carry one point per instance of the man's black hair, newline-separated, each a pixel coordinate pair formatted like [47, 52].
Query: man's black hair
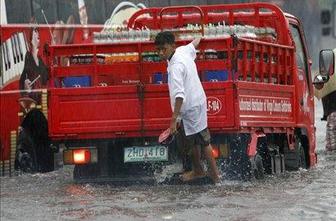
[165, 37]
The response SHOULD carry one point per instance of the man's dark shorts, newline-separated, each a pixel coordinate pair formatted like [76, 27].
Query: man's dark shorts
[201, 139]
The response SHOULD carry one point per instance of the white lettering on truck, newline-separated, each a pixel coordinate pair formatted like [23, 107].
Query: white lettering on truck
[265, 105]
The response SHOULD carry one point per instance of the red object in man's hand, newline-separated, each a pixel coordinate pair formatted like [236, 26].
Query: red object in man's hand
[164, 135]
[167, 136]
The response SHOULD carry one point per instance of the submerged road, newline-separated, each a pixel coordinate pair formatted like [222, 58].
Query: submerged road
[302, 195]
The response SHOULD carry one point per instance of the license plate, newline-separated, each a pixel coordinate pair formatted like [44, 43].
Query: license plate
[144, 154]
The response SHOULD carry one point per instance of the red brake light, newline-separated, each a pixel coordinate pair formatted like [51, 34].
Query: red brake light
[215, 151]
[81, 156]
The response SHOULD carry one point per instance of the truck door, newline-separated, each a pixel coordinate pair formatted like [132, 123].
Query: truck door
[302, 80]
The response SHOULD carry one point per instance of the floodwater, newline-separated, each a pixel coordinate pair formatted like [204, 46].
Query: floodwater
[302, 195]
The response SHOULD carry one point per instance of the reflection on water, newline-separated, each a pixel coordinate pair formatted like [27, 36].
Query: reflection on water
[302, 195]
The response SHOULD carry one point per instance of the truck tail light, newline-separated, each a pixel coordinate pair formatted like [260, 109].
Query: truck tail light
[215, 151]
[80, 156]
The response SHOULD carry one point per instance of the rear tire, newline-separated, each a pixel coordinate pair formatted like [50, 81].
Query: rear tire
[302, 157]
[264, 152]
[239, 166]
[258, 170]
[295, 159]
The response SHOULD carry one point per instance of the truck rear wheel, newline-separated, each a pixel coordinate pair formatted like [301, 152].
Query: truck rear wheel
[239, 166]
[263, 150]
[258, 167]
[295, 159]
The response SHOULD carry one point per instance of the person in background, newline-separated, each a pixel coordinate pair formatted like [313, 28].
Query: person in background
[329, 109]
[329, 114]
[188, 102]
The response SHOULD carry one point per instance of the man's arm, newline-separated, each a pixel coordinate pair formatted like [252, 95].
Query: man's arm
[196, 42]
[177, 108]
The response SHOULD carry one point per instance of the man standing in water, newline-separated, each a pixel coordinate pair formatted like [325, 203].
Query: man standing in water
[188, 102]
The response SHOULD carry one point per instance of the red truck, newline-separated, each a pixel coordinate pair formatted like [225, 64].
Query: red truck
[106, 102]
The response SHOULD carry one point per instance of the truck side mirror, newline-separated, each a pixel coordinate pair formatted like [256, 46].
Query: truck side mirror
[326, 66]
[326, 62]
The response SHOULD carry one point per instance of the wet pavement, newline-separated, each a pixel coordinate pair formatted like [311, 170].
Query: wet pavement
[302, 195]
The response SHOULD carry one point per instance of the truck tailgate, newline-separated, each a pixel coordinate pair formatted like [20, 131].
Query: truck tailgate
[129, 110]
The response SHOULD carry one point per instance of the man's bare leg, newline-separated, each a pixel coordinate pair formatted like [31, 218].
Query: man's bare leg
[197, 169]
[213, 173]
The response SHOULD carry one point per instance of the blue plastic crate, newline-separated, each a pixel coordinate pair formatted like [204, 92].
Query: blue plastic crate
[80, 81]
[160, 78]
[221, 75]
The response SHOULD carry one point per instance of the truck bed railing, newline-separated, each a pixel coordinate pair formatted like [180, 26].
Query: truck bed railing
[264, 62]
[252, 14]
[226, 59]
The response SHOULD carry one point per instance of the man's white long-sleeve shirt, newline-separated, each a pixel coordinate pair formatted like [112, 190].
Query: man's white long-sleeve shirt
[183, 82]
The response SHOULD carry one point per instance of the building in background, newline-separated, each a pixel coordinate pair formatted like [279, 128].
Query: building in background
[328, 23]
